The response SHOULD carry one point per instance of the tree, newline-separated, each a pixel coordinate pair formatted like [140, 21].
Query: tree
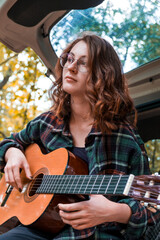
[134, 31]
[19, 90]
[153, 150]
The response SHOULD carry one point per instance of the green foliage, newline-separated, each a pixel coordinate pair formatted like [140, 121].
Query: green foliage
[153, 151]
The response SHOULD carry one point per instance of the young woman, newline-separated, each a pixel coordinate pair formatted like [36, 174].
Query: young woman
[94, 117]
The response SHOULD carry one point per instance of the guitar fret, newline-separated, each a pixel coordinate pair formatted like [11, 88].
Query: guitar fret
[71, 185]
[104, 181]
[86, 185]
[83, 180]
[52, 183]
[47, 185]
[91, 188]
[56, 184]
[77, 186]
[77, 182]
[56, 187]
[117, 184]
[57, 181]
[68, 179]
[112, 184]
[101, 184]
[122, 184]
[43, 186]
[108, 184]
[63, 187]
[93, 185]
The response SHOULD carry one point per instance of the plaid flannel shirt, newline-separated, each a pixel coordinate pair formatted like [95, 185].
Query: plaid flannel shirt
[121, 152]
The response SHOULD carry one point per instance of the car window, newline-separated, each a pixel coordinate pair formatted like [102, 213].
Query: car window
[133, 27]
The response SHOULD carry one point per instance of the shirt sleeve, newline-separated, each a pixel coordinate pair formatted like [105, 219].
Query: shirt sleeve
[141, 217]
[140, 220]
[20, 140]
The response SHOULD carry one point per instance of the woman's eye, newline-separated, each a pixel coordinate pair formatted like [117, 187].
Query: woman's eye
[70, 60]
[82, 63]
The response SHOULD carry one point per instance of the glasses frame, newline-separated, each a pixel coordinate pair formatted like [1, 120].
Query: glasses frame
[64, 57]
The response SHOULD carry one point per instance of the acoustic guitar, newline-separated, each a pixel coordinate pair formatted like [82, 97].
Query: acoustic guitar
[61, 177]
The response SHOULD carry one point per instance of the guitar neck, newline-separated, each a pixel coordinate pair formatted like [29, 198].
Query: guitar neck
[86, 184]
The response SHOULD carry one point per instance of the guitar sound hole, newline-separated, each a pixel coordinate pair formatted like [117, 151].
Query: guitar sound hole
[35, 184]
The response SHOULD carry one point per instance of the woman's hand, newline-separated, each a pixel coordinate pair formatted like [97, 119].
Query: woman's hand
[15, 160]
[93, 212]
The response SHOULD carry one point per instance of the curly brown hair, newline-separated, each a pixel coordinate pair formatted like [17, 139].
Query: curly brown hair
[107, 89]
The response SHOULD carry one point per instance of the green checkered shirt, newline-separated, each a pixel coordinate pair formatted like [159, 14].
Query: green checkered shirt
[121, 152]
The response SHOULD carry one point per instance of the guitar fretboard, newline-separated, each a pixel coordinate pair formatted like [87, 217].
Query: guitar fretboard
[83, 184]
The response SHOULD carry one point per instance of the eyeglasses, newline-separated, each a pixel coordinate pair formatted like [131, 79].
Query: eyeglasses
[67, 59]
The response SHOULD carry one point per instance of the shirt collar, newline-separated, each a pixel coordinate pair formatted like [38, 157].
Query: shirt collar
[61, 126]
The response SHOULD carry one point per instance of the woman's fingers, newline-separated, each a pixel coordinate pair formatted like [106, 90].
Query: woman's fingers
[9, 177]
[27, 169]
[17, 178]
[16, 161]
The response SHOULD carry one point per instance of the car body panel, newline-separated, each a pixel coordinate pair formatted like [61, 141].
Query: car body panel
[144, 86]
[17, 36]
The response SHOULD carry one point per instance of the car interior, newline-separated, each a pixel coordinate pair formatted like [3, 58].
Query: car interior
[43, 26]
[21, 27]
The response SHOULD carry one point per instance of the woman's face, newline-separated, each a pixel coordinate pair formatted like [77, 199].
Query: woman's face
[76, 70]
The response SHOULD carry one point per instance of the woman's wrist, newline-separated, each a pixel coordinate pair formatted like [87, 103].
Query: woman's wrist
[11, 152]
[122, 213]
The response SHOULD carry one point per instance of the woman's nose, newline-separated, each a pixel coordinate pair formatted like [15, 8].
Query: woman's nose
[73, 66]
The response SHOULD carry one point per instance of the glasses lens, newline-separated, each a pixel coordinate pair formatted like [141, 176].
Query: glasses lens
[66, 59]
[63, 59]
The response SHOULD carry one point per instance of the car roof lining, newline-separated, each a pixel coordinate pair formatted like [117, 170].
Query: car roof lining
[31, 12]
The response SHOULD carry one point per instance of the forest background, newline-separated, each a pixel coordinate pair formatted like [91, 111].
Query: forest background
[135, 35]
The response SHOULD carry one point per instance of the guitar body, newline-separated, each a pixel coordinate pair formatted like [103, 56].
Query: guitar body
[39, 211]
[36, 205]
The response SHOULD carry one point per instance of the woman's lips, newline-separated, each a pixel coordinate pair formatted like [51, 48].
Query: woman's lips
[70, 79]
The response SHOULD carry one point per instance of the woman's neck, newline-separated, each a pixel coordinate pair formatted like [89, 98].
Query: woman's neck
[81, 121]
[81, 111]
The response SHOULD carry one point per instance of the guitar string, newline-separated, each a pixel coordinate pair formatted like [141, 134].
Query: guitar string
[99, 176]
[73, 177]
[112, 187]
[131, 189]
[154, 196]
[152, 199]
